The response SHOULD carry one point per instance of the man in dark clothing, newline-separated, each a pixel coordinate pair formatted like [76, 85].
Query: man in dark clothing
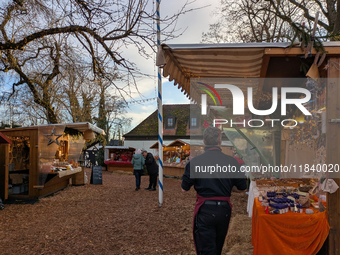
[152, 168]
[213, 207]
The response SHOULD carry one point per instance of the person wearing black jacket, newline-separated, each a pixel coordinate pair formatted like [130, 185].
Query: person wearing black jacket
[213, 208]
[152, 168]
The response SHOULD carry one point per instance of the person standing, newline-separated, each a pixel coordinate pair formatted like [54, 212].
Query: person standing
[138, 164]
[152, 168]
[213, 208]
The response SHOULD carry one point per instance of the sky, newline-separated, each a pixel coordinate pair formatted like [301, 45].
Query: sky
[194, 23]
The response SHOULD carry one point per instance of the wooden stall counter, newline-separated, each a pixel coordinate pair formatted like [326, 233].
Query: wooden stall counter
[289, 233]
[173, 169]
[119, 166]
[69, 172]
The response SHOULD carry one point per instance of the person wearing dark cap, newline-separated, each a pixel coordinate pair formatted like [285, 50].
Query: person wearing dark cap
[213, 208]
[152, 168]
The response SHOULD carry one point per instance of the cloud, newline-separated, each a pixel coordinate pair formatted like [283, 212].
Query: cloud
[195, 22]
[139, 112]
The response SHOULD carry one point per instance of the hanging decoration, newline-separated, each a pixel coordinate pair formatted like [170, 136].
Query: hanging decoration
[310, 130]
[53, 137]
[141, 101]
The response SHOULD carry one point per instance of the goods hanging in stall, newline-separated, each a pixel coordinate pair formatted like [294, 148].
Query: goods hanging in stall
[44, 159]
[118, 158]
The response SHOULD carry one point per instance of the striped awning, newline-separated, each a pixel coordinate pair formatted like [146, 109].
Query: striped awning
[181, 62]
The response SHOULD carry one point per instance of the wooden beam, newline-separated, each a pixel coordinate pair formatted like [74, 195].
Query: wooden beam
[297, 51]
[333, 150]
[263, 72]
[264, 67]
[4, 162]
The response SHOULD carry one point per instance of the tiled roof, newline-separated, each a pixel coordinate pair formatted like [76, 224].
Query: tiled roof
[149, 126]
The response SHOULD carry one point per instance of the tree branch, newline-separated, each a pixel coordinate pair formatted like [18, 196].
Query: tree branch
[307, 15]
[52, 31]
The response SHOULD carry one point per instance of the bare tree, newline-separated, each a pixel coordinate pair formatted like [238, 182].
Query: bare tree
[273, 21]
[37, 38]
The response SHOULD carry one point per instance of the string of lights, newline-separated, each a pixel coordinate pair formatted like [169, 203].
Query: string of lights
[141, 101]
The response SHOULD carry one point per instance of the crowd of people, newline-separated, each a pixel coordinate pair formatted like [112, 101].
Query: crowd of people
[140, 161]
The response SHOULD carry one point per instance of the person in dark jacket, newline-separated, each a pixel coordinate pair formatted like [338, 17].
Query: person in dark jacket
[152, 168]
[213, 207]
[138, 162]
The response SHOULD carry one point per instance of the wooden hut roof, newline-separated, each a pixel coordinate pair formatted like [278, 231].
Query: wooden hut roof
[4, 139]
[80, 126]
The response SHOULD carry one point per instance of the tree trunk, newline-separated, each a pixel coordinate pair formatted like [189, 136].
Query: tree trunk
[336, 29]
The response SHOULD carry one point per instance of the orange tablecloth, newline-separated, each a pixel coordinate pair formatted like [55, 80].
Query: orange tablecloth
[289, 233]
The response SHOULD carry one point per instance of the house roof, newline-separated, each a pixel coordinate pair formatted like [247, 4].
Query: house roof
[181, 62]
[193, 142]
[149, 126]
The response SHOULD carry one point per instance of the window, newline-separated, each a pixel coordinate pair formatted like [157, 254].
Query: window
[170, 122]
[194, 122]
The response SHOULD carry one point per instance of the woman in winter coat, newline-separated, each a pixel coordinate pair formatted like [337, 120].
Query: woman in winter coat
[138, 162]
[152, 168]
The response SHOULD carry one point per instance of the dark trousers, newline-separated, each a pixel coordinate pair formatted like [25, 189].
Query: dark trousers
[153, 180]
[138, 175]
[211, 227]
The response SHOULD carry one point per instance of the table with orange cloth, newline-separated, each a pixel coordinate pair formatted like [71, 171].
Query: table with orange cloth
[289, 233]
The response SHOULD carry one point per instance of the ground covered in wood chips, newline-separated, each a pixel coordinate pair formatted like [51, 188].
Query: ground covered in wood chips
[114, 219]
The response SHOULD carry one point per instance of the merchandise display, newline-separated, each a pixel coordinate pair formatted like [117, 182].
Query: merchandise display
[282, 198]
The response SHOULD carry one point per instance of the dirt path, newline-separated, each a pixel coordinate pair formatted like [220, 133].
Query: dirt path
[111, 219]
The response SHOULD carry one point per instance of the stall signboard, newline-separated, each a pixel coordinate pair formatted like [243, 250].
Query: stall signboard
[96, 175]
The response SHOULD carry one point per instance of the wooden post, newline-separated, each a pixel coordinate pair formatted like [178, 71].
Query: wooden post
[4, 162]
[333, 150]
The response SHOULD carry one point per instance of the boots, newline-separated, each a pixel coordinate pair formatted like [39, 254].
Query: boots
[148, 188]
[137, 188]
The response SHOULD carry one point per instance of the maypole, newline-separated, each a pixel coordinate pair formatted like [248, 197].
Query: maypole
[160, 114]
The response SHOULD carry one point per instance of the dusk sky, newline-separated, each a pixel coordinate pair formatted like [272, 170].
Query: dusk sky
[195, 23]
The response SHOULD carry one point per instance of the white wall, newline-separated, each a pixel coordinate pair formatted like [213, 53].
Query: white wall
[142, 144]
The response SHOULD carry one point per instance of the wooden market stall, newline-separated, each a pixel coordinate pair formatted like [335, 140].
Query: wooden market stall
[175, 157]
[118, 158]
[195, 67]
[155, 146]
[44, 159]
[177, 153]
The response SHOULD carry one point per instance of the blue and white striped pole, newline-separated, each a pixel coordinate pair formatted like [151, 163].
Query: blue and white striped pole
[160, 114]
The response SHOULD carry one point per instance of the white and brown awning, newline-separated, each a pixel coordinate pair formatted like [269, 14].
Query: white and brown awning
[181, 62]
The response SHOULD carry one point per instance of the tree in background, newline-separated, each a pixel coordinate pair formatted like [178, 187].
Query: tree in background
[273, 21]
[54, 51]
